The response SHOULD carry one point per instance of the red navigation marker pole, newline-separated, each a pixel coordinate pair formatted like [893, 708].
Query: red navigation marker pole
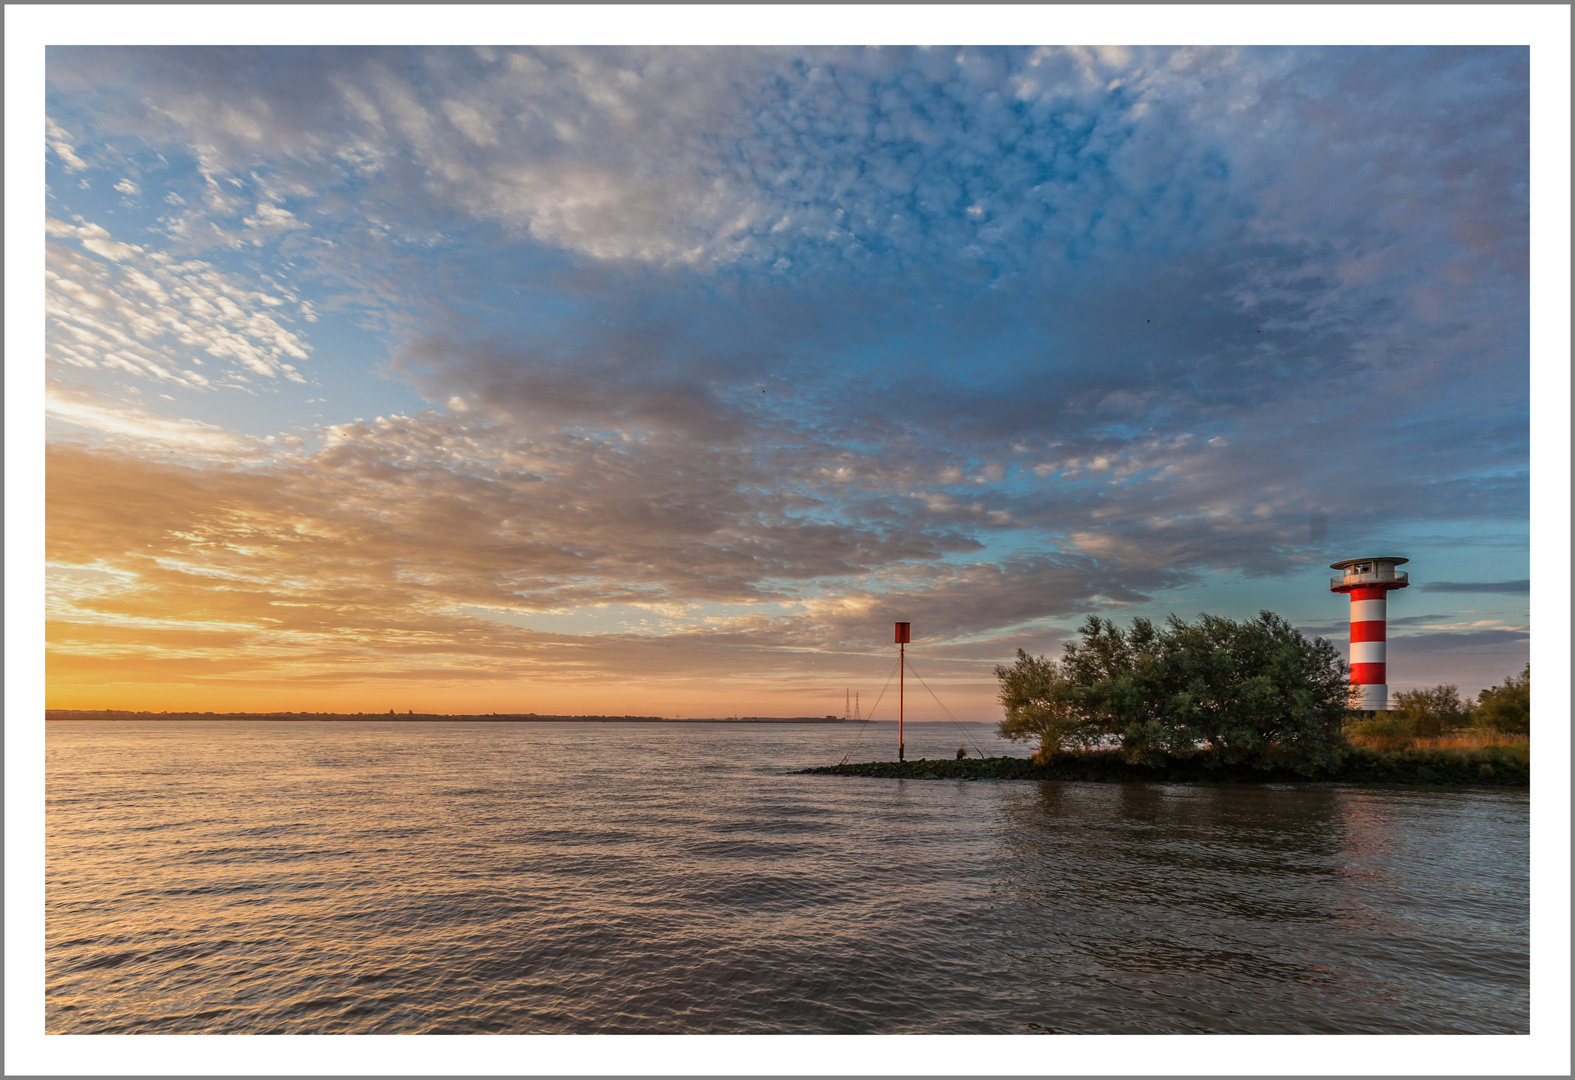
[902, 667]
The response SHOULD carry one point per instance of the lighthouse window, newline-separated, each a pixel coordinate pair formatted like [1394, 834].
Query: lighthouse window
[1362, 568]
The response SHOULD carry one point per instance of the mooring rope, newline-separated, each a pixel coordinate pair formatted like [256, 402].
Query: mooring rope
[869, 716]
[966, 734]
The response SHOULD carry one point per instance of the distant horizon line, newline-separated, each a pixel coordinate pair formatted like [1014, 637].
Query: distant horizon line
[493, 717]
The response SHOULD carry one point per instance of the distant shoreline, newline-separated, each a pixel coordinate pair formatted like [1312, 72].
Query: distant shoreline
[411, 717]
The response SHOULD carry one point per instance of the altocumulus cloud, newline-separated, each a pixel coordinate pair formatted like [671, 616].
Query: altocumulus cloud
[779, 343]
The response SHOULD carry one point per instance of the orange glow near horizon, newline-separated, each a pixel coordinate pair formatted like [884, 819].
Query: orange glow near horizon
[212, 589]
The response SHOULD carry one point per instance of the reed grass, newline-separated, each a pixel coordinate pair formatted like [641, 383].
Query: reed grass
[1471, 739]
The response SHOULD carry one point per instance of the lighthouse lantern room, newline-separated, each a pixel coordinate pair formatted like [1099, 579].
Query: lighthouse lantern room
[1369, 582]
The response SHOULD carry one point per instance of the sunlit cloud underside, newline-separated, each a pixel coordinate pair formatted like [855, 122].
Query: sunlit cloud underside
[664, 380]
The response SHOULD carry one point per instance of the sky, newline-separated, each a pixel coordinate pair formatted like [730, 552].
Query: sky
[664, 380]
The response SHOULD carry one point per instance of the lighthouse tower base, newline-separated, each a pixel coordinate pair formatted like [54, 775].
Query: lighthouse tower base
[1370, 698]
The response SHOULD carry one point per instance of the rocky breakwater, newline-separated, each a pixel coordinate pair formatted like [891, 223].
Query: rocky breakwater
[1486, 767]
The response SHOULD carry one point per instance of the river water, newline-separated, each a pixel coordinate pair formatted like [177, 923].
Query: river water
[530, 878]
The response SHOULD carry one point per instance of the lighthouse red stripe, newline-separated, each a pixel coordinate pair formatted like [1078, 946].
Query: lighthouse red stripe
[1368, 631]
[1368, 674]
[1368, 594]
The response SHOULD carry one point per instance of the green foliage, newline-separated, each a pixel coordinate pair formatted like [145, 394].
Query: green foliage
[1431, 712]
[1508, 707]
[1038, 700]
[1253, 692]
[1385, 730]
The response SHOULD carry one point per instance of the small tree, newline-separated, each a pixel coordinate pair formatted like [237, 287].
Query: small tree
[1508, 707]
[1040, 704]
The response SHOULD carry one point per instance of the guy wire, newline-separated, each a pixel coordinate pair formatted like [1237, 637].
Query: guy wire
[948, 712]
[869, 715]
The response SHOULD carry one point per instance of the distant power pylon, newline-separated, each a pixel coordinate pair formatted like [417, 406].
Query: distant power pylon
[850, 705]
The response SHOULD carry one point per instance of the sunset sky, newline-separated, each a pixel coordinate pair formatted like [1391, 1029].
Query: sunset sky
[663, 380]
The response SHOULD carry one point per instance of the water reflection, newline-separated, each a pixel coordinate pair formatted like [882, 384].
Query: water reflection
[1266, 908]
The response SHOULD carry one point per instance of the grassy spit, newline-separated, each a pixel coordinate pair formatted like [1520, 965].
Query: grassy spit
[1480, 766]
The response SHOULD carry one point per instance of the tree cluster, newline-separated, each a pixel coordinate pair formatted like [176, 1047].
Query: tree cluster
[1439, 710]
[1255, 692]
[1507, 707]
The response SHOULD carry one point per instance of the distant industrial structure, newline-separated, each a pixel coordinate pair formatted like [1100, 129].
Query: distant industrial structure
[1369, 582]
[850, 712]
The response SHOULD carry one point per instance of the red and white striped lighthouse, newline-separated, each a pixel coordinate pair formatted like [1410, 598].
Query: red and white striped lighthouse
[1369, 581]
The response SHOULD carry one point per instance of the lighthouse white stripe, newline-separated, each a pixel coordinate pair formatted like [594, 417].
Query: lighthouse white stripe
[1374, 696]
[1368, 610]
[1367, 652]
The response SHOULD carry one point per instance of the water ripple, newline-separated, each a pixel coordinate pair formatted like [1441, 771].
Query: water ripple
[377, 877]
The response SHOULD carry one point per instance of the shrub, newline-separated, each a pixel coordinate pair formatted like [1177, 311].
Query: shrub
[1507, 707]
[1384, 731]
[1433, 711]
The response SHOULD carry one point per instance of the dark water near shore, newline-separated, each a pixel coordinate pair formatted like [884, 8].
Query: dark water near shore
[396, 877]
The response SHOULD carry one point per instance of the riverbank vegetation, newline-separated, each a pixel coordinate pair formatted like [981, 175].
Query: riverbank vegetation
[1221, 700]
[1437, 718]
[1258, 694]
